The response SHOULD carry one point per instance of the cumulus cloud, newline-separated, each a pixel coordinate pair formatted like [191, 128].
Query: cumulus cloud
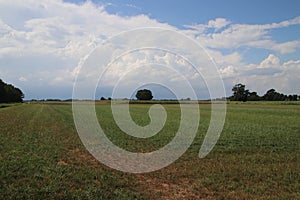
[269, 73]
[46, 39]
[218, 23]
[242, 35]
[269, 62]
[228, 71]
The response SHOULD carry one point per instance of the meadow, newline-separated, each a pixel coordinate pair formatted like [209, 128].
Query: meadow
[256, 157]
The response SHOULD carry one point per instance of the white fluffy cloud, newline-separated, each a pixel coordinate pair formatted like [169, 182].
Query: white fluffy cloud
[243, 35]
[61, 28]
[269, 73]
[282, 77]
[271, 61]
[43, 41]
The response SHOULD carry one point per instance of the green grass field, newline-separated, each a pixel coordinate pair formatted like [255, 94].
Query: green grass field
[256, 157]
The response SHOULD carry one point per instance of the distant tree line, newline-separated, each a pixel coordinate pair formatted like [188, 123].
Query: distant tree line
[9, 93]
[62, 100]
[240, 93]
[144, 94]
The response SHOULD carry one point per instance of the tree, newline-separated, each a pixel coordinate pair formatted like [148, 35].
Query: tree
[9, 93]
[295, 97]
[144, 94]
[102, 98]
[239, 93]
[272, 95]
[253, 96]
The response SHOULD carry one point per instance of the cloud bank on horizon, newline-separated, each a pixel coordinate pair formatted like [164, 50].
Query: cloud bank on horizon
[42, 43]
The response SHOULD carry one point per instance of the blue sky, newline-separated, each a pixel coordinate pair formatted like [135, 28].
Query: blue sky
[43, 41]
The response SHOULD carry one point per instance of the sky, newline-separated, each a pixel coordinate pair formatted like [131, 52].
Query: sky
[44, 43]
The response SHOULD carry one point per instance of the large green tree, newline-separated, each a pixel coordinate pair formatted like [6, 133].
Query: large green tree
[9, 93]
[272, 95]
[144, 94]
[239, 93]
